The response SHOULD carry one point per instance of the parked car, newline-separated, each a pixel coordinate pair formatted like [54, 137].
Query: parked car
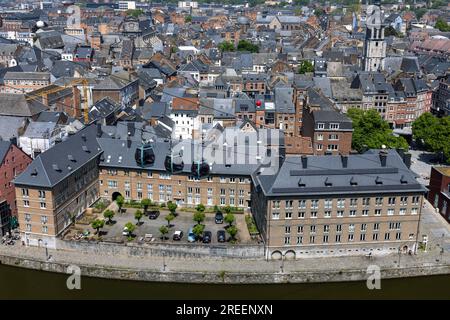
[177, 235]
[221, 236]
[191, 236]
[219, 217]
[206, 236]
[125, 231]
[154, 214]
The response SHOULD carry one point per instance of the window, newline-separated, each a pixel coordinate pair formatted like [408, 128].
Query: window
[325, 239]
[415, 200]
[44, 219]
[378, 212]
[313, 214]
[398, 236]
[379, 201]
[25, 192]
[302, 204]
[27, 217]
[312, 239]
[351, 227]
[363, 227]
[321, 125]
[366, 201]
[289, 204]
[375, 237]
[299, 229]
[112, 184]
[44, 229]
[338, 238]
[403, 201]
[28, 227]
[387, 235]
[340, 213]
[314, 204]
[328, 203]
[350, 237]
[276, 204]
[391, 201]
[365, 213]
[299, 240]
[333, 137]
[312, 229]
[402, 211]
[327, 214]
[353, 202]
[301, 215]
[326, 228]
[362, 237]
[334, 126]
[341, 203]
[352, 213]
[390, 212]
[288, 215]
[319, 146]
[414, 211]
[376, 226]
[339, 228]
[320, 137]
[275, 215]
[287, 240]
[26, 203]
[287, 229]
[332, 147]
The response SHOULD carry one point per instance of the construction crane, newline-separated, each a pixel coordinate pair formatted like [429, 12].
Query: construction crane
[43, 93]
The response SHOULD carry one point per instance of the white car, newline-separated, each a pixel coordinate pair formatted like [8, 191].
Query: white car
[125, 231]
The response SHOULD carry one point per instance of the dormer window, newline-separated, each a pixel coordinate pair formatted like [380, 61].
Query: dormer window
[334, 126]
[321, 125]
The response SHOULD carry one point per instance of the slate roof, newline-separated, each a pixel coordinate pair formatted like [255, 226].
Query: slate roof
[4, 147]
[17, 105]
[40, 130]
[364, 170]
[284, 100]
[53, 165]
[103, 108]
[332, 116]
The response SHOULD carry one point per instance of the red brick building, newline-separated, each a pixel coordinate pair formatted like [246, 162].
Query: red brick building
[439, 190]
[12, 162]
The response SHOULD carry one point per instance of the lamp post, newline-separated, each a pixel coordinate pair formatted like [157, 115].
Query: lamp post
[282, 263]
[164, 261]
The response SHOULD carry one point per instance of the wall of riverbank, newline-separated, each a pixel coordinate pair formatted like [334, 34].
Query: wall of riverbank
[176, 250]
[244, 277]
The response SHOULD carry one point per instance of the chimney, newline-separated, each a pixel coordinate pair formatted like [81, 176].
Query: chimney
[401, 152]
[13, 140]
[344, 159]
[99, 130]
[383, 157]
[304, 162]
[131, 130]
[128, 142]
[407, 159]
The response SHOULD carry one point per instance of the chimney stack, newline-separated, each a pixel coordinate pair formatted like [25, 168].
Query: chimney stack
[304, 162]
[344, 159]
[383, 157]
[407, 159]
[99, 130]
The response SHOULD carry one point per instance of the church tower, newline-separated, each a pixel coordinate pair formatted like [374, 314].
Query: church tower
[375, 44]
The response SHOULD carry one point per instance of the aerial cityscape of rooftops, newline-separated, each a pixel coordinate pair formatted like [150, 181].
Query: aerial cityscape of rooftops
[234, 139]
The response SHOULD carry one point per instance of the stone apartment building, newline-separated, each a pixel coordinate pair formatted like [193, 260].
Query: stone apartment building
[439, 194]
[20, 82]
[338, 205]
[56, 187]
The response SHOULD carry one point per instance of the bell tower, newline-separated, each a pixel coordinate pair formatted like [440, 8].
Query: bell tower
[375, 44]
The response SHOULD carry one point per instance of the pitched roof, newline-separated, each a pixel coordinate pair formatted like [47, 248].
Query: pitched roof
[17, 105]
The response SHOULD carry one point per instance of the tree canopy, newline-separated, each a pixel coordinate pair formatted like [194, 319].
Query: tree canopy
[433, 133]
[305, 66]
[442, 25]
[370, 130]
[226, 46]
[245, 45]
[134, 12]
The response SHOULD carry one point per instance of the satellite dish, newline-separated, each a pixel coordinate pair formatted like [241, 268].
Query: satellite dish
[40, 24]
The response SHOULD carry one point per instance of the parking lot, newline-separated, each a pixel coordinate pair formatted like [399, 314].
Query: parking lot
[183, 222]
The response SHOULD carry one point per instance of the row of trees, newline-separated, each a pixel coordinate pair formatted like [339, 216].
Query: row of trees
[371, 131]
[243, 45]
[433, 133]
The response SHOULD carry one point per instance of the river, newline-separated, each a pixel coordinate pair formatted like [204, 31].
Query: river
[18, 283]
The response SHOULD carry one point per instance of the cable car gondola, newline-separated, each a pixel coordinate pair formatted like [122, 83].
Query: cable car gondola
[144, 155]
[174, 163]
[200, 169]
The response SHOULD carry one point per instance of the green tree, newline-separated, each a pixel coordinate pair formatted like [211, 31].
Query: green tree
[188, 19]
[319, 12]
[433, 133]
[200, 208]
[199, 217]
[370, 130]
[130, 228]
[442, 25]
[232, 231]
[163, 230]
[97, 224]
[198, 230]
[226, 46]
[169, 218]
[172, 206]
[134, 12]
[245, 45]
[120, 201]
[109, 214]
[229, 218]
[227, 209]
[138, 216]
[305, 67]
[146, 203]
[390, 31]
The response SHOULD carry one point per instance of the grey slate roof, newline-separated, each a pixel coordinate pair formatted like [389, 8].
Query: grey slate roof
[18, 105]
[283, 100]
[42, 173]
[4, 147]
[361, 169]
